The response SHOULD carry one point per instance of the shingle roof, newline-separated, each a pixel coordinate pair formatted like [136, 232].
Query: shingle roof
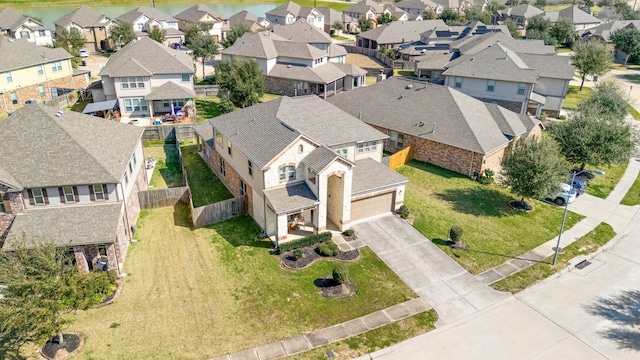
[291, 197]
[197, 12]
[322, 74]
[262, 131]
[147, 57]
[302, 31]
[170, 90]
[257, 45]
[364, 6]
[320, 158]
[550, 66]
[370, 175]
[350, 69]
[336, 50]
[285, 9]
[509, 122]
[433, 60]
[411, 4]
[525, 10]
[12, 19]
[246, 17]
[573, 14]
[397, 32]
[205, 131]
[438, 113]
[152, 13]
[331, 16]
[605, 30]
[83, 16]
[298, 50]
[95, 224]
[73, 149]
[474, 44]
[20, 53]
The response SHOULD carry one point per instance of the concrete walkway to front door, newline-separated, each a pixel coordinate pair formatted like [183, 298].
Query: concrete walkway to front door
[452, 291]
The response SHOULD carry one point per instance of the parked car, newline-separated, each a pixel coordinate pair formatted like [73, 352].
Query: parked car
[580, 185]
[169, 117]
[566, 195]
[84, 53]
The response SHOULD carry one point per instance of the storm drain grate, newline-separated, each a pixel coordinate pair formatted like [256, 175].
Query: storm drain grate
[583, 264]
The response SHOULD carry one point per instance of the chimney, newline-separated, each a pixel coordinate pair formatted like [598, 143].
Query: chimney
[381, 76]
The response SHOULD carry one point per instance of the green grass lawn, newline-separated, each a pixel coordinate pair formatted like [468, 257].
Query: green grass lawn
[602, 185]
[201, 293]
[575, 97]
[205, 186]
[587, 244]
[633, 195]
[633, 77]
[167, 172]
[563, 50]
[207, 108]
[404, 73]
[634, 113]
[340, 38]
[494, 232]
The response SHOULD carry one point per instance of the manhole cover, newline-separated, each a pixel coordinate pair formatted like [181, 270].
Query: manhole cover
[583, 264]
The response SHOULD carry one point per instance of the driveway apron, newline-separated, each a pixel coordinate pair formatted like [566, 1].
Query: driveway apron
[432, 274]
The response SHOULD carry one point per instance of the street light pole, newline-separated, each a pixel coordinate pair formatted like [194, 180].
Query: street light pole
[629, 96]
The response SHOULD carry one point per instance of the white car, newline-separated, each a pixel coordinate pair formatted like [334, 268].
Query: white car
[566, 195]
[84, 53]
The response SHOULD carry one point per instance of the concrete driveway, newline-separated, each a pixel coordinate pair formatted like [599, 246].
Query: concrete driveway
[432, 274]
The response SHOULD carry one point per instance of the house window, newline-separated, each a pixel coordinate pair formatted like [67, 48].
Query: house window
[303, 85]
[396, 139]
[458, 82]
[185, 78]
[56, 66]
[218, 138]
[436, 75]
[243, 188]
[287, 172]
[222, 168]
[24, 34]
[135, 161]
[42, 33]
[126, 178]
[367, 147]
[13, 97]
[300, 149]
[229, 148]
[165, 103]
[38, 196]
[102, 250]
[250, 166]
[98, 192]
[179, 103]
[135, 105]
[40, 69]
[8, 76]
[41, 90]
[311, 176]
[132, 82]
[342, 152]
[491, 85]
[130, 168]
[88, 30]
[522, 87]
[2, 209]
[68, 194]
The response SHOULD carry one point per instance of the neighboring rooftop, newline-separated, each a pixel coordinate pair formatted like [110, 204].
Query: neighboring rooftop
[12, 19]
[257, 45]
[398, 32]
[198, 12]
[525, 10]
[83, 16]
[20, 53]
[474, 44]
[302, 31]
[605, 30]
[573, 14]
[151, 13]
[363, 6]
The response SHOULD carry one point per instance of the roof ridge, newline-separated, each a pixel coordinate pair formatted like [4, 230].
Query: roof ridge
[455, 96]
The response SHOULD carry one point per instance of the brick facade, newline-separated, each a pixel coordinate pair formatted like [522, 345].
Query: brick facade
[285, 87]
[13, 203]
[26, 92]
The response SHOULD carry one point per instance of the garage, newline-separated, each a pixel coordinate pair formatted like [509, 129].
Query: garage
[372, 206]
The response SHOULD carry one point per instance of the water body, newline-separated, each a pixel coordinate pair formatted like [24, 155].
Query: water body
[49, 14]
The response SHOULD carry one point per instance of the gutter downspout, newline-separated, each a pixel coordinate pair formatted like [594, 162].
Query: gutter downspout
[473, 154]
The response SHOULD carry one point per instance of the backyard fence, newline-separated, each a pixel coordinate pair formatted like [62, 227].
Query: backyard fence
[213, 213]
[168, 133]
[152, 199]
[389, 62]
[206, 90]
[401, 157]
[64, 100]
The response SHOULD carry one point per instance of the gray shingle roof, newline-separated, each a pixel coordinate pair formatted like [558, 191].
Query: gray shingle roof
[74, 149]
[433, 60]
[550, 66]
[83, 16]
[336, 50]
[152, 13]
[197, 12]
[246, 17]
[146, 57]
[95, 224]
[205, 131]
[12, 19]
[604, 30]
[364, 6]
[285, 9]
[322, 74]
[411, 4]
[291, 197]
[320, 158]
[474, 44]
[170, 90]
[19, 54]
[525, 10]
[458, 119]
[397, 32]
[257, 45]
[331, 16]
[298, 50]
[262, 131]
[302, 31]
[350, 70]
[573, 14]
[508, 121]
[370, 175]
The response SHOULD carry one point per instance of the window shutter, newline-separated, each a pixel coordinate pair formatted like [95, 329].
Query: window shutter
[105, 192]
[61, 192]
[46, 198]
[31, 200]
[92, 197]
[75, 194]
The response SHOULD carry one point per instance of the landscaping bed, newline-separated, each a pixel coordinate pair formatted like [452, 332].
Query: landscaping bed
[311, 255]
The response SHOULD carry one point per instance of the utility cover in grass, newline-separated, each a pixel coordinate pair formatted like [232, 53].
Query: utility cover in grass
[53, 350]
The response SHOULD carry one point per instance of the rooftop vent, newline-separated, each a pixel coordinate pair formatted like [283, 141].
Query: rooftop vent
[409, 86]
[59, 113]
[288, 65]
[421, 123]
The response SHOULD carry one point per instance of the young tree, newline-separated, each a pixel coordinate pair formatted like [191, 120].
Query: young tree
[428, 15]
[243, 80]
[338, 25]
[365, 24]
[627, 40]
[591, 57]
[607, 99]
[476, 13]
[71, 40]
[122, 33]
[450, 16]
[193, 31]
[564, 32]
[157, 34]
[513, 28]
[535, 34]
[235, 33]
[533, 169]
[494, 6]
[203, 48]
[386, 18]
[538, 23]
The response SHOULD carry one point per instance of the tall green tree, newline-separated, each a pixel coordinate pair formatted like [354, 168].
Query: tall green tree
[564, 32]
[513, 28]
[428, 15]
[243, 80]
[203, 48]
[476, 13]
[122, 33]
[538, 23]
[365, 24]
[591, 58]
[193, 31]
[627, 40]
[386, 18]
[451, 16]
[235, 33]
[71, 40]
[157, 34]
[534, 169]
[607, 99]
[493, 6]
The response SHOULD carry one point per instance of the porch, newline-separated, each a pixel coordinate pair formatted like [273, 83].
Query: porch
[291, 212]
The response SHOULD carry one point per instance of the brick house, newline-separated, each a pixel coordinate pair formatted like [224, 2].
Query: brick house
[20, 26]
[93, 25]
[302, 163]
[202, 14]
[36, 72]
[77, 184]
[446, 127]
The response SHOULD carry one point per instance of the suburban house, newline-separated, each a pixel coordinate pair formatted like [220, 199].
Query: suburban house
[603, 31]
[368, 9]
[144, 18]
[579, 19]
[35, 73]
[19, 26]
[446, 127]
[290, 12]
[93, 25]
[148, 79]
[74, 185]
[520, 14]
[304, 165]
[331, 17]
[395, 33]
[252, 20]
[202, 14]
[295, 68]
[419, 7]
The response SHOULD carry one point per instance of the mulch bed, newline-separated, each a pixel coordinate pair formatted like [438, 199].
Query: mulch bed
[329, 288]
[350, 238]
[310, 255]
[114, 295]
[53, 350]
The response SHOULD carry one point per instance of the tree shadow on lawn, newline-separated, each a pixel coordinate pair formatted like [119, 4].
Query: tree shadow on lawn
[623, 310]
[182, 216]
[436, 170]
[447, 244]
[478, 201]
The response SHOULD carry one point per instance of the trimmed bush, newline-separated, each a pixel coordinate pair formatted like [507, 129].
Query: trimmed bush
[340, 274]
[455, 234]
[328, 249]
[305, 241]
[487, 177]
[297, 254]
[349, 232]
[403, 211]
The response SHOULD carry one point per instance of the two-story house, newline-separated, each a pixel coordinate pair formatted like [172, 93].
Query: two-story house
[29, 71]
[419, 7]
[301, 163]
[396, 33]
[145, 18]
[147, 78]
[202, 14]
[253, 21]
[290, 12]
[367, 9]
[93, 25]
[76, 185]
[331, 17]
[520, 14]
[20, 26]
[580, 19]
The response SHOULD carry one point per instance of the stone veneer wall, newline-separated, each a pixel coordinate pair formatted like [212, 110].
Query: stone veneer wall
[285, 87]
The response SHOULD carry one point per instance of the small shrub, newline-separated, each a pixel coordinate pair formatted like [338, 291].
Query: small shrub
[562, 117]
[328, 249]
[305, 241]
[403, 211]
[487, 177]
[340, 274]
[225, 106]
[114, 325]
[297, 254]
[455, 234]
[348, 232]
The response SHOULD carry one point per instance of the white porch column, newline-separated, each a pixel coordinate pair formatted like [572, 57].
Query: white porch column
[282, 227]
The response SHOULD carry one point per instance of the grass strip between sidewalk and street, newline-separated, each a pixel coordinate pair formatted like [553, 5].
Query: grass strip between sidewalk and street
[537, 272]
[632, 197]
[602, 185]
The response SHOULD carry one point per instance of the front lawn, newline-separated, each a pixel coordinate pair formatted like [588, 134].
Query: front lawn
[167, 172]
[197, 294]
[575, 97]
[633, 195]
[205, 186]
[602, 185]
[494, 232]
[633, 77]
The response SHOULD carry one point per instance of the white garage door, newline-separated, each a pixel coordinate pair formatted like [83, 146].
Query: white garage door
[376, 205]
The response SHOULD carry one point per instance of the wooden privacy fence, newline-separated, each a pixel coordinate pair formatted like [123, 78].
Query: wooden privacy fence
[168, 133]
[401, 157]
[213, 213]
[206, 90]
[389, 62]
[152, 199]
